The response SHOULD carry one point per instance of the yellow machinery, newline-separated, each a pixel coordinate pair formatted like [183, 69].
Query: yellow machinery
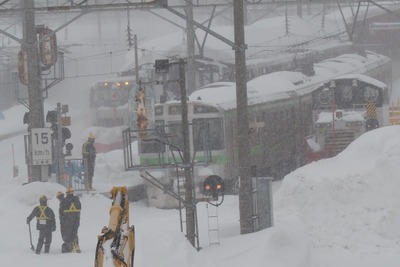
[116, 244]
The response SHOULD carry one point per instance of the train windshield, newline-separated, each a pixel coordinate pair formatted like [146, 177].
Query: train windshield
[111, 94]
[175, 137]
[208, 134]
[347, 94]
[154, 144]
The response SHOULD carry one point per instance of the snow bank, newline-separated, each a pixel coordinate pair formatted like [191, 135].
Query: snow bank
[350, 201]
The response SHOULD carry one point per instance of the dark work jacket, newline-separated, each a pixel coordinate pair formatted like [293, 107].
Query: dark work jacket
[45, 218]
[89, 152]
[70, 211]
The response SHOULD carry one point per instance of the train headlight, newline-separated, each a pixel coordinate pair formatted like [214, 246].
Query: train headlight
[371, 124]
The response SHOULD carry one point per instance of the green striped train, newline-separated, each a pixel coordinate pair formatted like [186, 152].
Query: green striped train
[284, 114]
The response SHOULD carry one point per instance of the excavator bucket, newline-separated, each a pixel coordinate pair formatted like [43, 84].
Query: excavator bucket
[117, 241]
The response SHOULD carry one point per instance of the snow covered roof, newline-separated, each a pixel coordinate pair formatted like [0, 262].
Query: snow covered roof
[364, 78]
[262, 38]
[283, 84]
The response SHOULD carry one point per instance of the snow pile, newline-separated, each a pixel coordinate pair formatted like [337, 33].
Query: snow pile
[104, 135]
[352, 201]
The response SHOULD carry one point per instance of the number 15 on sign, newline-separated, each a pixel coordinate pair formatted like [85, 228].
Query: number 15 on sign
[41, 146]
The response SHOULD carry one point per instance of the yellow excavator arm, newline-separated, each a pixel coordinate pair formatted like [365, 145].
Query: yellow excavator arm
[116, 244]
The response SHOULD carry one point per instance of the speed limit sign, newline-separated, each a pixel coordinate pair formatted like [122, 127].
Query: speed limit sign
[41, 146]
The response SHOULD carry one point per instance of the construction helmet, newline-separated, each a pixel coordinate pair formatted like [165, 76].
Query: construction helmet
[42, 200]
[60, 195]
[69, 191]
[91, 136]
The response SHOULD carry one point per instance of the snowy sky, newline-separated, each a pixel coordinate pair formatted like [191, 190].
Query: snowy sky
[342, 211]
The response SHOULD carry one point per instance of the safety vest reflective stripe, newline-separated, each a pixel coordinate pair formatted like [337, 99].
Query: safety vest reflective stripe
[72, 208]
[42, 215]
[85, 153]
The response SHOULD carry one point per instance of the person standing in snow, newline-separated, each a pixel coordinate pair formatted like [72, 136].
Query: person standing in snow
[60, 197]
[46, 224]
[89, 160]
[70, 212]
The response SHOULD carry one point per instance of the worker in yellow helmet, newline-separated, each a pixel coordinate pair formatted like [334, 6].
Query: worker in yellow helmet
[70, 214]
[46, 224]
[89, 160]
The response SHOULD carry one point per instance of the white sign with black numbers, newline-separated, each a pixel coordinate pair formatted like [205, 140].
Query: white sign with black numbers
[41, 146]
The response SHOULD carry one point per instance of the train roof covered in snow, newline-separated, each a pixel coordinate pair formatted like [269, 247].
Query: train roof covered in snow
[283, 84]
[264, 38]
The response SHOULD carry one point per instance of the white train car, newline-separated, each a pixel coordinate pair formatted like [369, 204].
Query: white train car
[282, 114]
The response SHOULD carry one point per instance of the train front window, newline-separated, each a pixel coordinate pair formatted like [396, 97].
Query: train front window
[174, 136]
[152, 143]
[111, 94]
[158, 111]
[98, 97]
[370, 94]
[347, 93]
[208, 134]
[198, 109]
[175, 110]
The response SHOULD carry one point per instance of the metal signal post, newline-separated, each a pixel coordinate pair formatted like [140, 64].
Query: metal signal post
[59, 135]
[59, 148]
[189, 199]
[36, 114]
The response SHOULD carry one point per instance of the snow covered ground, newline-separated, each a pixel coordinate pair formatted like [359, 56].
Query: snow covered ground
[343, 211]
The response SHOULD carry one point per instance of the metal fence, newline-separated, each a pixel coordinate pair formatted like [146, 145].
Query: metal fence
[75, 170]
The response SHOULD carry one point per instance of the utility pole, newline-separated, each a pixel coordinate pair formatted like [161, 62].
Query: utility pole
[136, 59]
[242, 124]
[59, 149]
[36, 114]
[190, 220]
[190, 36]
